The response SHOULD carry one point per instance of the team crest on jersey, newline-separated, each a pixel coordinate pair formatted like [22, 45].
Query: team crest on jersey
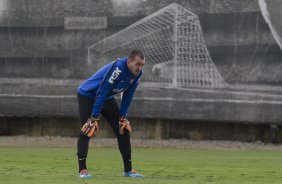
[115, 75]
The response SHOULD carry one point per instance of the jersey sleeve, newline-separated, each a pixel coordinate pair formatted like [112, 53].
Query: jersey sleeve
[128, 95]
[105, 89]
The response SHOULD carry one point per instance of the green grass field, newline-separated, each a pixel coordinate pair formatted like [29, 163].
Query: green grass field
[160, 166]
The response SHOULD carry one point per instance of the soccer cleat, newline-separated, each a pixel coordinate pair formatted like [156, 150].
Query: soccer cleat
[133, 174]
[84, 174]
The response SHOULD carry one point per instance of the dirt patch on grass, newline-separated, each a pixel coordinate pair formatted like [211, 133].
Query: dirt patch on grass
[24, 141]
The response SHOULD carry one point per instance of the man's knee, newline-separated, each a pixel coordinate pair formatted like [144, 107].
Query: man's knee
[83, 137]
[124, 136]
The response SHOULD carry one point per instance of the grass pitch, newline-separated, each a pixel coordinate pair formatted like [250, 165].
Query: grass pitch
[160, 166]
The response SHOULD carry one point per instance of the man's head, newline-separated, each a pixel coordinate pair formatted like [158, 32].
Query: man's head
[135, 62]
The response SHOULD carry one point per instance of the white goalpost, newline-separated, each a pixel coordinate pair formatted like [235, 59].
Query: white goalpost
[174, 47]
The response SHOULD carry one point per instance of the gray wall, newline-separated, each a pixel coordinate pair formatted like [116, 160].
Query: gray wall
[42, 63]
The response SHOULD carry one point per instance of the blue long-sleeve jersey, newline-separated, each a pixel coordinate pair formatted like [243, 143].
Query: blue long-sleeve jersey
[109, 80]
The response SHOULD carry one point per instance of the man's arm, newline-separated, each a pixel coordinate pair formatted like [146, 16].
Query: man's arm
[104, 89]
[128, 95]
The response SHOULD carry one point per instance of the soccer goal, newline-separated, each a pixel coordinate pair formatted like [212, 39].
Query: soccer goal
[174, 48]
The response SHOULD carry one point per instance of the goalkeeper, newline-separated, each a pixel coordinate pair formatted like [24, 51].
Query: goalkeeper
[95, 96]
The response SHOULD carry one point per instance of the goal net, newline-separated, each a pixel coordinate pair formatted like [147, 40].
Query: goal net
[173, 45]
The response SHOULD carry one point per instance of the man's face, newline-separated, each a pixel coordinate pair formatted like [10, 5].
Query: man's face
[135, 65]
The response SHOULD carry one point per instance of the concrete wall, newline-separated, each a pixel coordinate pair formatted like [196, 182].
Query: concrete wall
[145, 129]
[42, 63]
[35, 43]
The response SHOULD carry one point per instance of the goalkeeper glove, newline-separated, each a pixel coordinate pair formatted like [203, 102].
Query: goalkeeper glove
[90, 126]
[124, 124]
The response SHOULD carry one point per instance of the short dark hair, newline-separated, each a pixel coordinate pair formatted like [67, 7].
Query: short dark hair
[135, 53]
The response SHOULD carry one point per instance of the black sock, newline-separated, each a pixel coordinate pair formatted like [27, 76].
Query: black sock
[82, 164]
[82, 150]
[125, 150]
[127, 164]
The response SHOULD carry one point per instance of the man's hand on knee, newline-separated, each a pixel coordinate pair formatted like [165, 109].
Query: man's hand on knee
[90, 126]
[124, 125]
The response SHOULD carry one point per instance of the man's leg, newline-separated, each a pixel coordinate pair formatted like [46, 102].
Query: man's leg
[85, 108]
[110, 112]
